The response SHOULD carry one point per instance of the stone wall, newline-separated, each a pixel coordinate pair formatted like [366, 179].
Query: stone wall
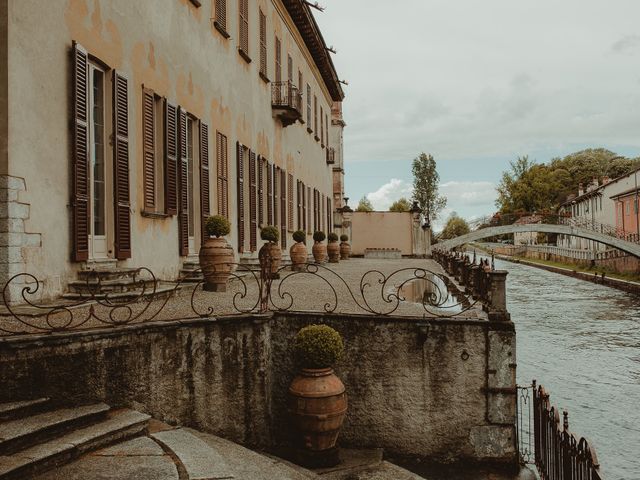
[437, 389]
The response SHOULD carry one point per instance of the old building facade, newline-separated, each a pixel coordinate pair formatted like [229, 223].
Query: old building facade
[127, 124]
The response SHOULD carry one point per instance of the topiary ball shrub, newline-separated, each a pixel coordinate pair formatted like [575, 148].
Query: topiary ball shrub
[319, 236]
[344, 238]
[299, 236]
[217, 226]
[318, 346]
[332, 237]
[270, 234]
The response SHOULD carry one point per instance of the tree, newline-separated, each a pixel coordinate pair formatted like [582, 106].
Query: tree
[364, 205]
[455, 227]
[400, 205]
[425, 186]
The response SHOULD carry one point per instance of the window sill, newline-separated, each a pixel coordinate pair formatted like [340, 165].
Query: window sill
[264, 77]
[221, 29]
[148, 214]
[244, 55]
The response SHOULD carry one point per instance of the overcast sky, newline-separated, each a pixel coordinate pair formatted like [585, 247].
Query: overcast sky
[477, 83]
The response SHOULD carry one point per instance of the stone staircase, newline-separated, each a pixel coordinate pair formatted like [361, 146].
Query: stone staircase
[36, 436]
[41, 441]
[118, 284]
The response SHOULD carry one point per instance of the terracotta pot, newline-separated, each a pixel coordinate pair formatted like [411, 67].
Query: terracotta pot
[216, 261]
[270, 256]
[333, 250]
[318, 404]
[319, 251]
[345, 250]
[298, 254]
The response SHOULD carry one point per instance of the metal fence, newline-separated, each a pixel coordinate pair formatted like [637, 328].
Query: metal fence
[557, 453]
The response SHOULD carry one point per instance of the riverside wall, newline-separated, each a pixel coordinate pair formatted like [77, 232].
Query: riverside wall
[442, 390]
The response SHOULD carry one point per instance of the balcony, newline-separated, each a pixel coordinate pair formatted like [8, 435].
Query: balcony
[286, 101]
[331, 156]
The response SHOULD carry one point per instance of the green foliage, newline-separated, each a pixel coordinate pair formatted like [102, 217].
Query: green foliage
[364, 205]
[400, 205]
[529, 187]
[319, 236]
[270, 234]
[318, 346]
[455, 227]
[332, 237]
[217, 226]
[425, 186]
[344, 238]
[299, 236]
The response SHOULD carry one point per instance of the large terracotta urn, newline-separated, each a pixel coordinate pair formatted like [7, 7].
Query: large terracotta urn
[270, 257]
[298, 254]
[318, 404]
[319, 251]
[217, 264]
[333, 251]
[345, 250]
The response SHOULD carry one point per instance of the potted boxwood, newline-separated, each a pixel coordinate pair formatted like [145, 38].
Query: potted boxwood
[298, 251]
[216, 255]
[319, 249]
[317, 398]
[345, 248]
[270, 255]
[333, 249]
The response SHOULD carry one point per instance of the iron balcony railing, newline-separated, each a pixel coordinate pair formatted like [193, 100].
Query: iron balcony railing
[286, 98]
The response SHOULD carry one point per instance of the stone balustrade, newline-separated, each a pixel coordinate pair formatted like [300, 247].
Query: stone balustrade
[478, 279]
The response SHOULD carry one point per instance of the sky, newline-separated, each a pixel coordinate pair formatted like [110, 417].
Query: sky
[477, 84]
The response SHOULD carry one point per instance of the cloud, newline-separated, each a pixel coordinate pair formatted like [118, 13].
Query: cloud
[460, 194]
[629, 44]
[388, 193]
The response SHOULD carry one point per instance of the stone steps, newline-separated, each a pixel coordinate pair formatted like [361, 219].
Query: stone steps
[15, 410]
[118, 285]
[162, 290]
[35, 443]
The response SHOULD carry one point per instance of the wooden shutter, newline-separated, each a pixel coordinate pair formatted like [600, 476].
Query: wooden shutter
[80, 157]
[308, 106]
[205, 193]
[329, 216]
[263, 43]
[222, 166]
[149, 149]
[121, 167]
[303, 191]
[299, 204]
[283, 209]
[289, 68]
[309, 208]
[183, 217]
[321, 212]
[315, 114]
[253, 194]
[244, 25]
[171, 159]
[240, 169]
[275, 174]
[221, 13]
[269, 194]
[321, 127]
[278, 60]
[290, 202]
[260, 167]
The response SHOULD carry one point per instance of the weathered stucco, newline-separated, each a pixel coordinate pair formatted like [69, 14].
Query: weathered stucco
[438, 389]
[174, 50]
[381, 230]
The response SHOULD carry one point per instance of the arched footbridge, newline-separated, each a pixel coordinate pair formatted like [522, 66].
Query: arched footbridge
[629, 247]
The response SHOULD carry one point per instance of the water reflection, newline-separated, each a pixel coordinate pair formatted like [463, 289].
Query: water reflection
[582, 342]
[433, 293]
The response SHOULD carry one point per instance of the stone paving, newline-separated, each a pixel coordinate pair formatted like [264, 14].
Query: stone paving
[355, 286]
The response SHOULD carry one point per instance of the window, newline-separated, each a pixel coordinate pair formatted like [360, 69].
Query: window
[326, 129]
[278, 61]
[308, 108]
[321, 127]
[153, 145]
[97, 135]
[263, 46]
[290, 202]
[243, 29]
[315, 116]
[222, 166]
[220, 19]
[300, 84]
[289, 69]
[627, 207]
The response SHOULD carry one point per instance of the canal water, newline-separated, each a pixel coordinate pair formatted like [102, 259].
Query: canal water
[582, 342]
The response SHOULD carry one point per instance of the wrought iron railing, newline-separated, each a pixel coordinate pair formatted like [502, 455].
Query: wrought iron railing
[557, 453]
[251, 291]
[286, 95]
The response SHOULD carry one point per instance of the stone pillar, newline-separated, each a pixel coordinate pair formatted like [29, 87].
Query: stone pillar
[498, 295]
[417, 235]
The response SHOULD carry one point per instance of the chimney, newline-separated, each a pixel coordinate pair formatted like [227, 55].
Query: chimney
[580, 189]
